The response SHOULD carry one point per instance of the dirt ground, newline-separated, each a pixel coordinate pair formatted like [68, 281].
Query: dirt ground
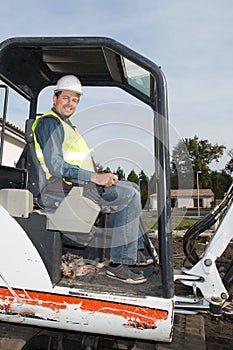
[218, 331]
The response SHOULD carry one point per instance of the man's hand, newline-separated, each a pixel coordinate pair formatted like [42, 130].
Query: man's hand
[104, 179]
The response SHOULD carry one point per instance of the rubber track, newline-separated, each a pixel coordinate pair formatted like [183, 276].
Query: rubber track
[189, 334]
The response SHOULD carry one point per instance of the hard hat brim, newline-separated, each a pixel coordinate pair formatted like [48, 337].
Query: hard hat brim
[59, 90]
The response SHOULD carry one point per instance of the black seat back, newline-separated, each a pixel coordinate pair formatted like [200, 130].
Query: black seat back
[29, 161]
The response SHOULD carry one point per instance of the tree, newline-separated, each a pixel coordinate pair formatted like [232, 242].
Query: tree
[107, 170]
[229, 165]
[133, 177]
[181, 167]
[142, 181]
[120, 173]
[100, 169]
[143, 184]
[192, 155]
[220, 182]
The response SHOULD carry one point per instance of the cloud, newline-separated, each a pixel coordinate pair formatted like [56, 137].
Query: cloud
[191, 40]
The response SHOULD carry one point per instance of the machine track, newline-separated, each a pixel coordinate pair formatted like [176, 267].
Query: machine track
[191, 332]
[200, 332]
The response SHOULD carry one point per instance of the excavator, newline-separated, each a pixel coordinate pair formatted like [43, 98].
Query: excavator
[44, 303]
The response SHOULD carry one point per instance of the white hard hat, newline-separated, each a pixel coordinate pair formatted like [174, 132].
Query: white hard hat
[69, 82]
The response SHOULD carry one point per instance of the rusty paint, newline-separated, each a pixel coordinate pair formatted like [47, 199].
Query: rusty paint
[135, 316]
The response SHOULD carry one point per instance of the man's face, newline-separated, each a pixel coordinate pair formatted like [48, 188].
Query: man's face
[66, 103]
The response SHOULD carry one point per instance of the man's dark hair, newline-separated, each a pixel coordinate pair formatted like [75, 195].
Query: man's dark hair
[57, 93]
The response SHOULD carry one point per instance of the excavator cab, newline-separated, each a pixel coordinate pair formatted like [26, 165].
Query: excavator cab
[38, 233]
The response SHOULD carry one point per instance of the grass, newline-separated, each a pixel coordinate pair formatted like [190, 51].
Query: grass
[182, 223]
[178, 222]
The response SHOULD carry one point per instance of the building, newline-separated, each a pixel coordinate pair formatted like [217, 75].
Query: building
[13, 143]
[187, 198]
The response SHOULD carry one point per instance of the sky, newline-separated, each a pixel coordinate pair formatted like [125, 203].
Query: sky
[192, 40]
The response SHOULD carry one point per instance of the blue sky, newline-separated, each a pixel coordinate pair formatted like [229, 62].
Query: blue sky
[192, 40]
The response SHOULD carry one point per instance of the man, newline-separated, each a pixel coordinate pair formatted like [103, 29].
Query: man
[64, 154]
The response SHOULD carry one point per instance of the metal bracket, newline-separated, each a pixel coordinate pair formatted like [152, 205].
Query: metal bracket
[204, 275]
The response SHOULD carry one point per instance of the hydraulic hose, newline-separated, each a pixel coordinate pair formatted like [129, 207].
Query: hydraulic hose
[203, 224]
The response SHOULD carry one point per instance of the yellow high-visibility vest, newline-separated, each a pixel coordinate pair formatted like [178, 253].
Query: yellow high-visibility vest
[74, 147]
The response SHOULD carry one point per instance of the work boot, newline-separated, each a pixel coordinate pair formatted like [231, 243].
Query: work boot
[124, 274]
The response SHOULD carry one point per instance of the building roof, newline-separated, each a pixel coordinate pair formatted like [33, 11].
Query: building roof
[207, 192]
[12, 128]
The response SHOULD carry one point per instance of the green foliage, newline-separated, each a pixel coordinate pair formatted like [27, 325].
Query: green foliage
[220, 182]
[191, 155]
[133, 177]
[178, 223]
[107, 170]
[100, 169]
[229, 165]
[152, 186]
[143, 177]
[120, 173]
[181, 167]
[143, 183]
[182, 224]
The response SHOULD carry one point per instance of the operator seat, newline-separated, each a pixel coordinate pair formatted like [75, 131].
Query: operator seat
[36, 181]
[61, 199]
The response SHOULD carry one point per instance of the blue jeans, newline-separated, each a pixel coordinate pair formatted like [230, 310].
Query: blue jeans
[124, 202]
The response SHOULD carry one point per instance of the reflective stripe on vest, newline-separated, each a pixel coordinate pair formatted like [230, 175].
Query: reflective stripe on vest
[74, 147]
